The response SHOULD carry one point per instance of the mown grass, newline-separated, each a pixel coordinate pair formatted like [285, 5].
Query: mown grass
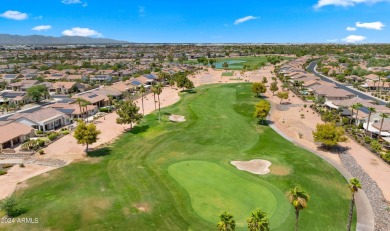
[127, 186]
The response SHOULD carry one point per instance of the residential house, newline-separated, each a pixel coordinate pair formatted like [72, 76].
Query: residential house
[14, 133]
[11, 78]
[331, 92]
[45, 119]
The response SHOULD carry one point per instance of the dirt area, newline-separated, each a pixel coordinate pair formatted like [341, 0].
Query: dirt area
[257, 166]
[177, 118]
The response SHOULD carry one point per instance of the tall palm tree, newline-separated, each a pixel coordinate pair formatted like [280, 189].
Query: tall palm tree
[226, 223]
[298, 197]
[80, 101]
[384, 116]
[354, 185]
[85, 104]
[370, 111]
[158, 92]
[258, 221]
[153, 88]
[143, 91]
[357, 106]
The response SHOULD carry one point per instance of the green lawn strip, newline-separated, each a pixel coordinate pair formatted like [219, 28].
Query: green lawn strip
[130, 185]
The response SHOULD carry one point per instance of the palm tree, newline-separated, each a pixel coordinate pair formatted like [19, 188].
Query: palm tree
[110, 98]
[370, 110]
[354, 186]
[226, 223]
[80, 101]
[85, 107]
[258, 221]
[357, 107]
[298, 197]
[154, 96]
[384, 116]
[143, 91]
[158, 92]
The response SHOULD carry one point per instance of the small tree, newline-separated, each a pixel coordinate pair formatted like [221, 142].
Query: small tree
[298, 197]
[226, 223]
[264, 81]
[262, 110]
[128, 113]
[37, 92]
[258, 221]
[86, 133]
[329, 134]
[9, 205]
[274, 87]
[258, 88]
[282, 95]
[354, 185]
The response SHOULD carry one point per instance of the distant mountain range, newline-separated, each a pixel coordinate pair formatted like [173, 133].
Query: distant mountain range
[7, 39]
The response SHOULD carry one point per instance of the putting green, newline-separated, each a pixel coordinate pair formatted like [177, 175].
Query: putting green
[214, 189]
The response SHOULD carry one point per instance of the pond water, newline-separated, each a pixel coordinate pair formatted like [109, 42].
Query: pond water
[230, 62]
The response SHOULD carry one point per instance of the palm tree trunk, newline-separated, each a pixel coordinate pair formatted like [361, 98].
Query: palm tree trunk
[142, 100]
[368, 122]
[296, 219]
[380, 130]
[159, 112]
[154, 97]
[351, 213]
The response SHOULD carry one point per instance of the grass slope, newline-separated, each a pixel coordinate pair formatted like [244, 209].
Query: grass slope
[128, 184]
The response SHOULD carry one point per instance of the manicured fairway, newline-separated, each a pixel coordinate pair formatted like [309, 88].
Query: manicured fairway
[237, 63]
[143, 182]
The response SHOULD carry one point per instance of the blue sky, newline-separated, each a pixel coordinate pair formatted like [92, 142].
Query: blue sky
[257, 21]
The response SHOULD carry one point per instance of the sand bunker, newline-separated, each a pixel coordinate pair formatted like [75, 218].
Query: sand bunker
[177, 118]
[257, 166]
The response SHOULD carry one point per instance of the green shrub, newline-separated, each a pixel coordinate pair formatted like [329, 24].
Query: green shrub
[3, 172]
[104, 109]
[345, 120]
[52, 136]
[376, 145]
[41, 152]
[21, 165]
[39, 132]
[367, 140]
[40, 142]
[66, 132]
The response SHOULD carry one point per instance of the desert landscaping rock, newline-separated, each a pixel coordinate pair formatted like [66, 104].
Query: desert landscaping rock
[374, 193]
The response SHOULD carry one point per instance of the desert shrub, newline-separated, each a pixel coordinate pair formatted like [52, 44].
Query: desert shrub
[345, 120]
[40, 142]
[66, 132]
[21, 165]
[41, 152]
[52, 136]
[367, 140]
[3, 172]
[30, 145]
[376, 145]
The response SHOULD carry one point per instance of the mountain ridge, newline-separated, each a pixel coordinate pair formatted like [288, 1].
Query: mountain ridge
[9, 39]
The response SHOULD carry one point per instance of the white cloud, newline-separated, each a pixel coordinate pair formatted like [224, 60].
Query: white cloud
[15, 15]
[244, 19]
[84, 32]
[371, 25]
[68, 2]
[85, 4]
[38, 17]
[345, 3]
[350, 28]
[354, 38]
[42, 28]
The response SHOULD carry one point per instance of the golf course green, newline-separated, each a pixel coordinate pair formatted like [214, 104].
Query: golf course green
[178, 176]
